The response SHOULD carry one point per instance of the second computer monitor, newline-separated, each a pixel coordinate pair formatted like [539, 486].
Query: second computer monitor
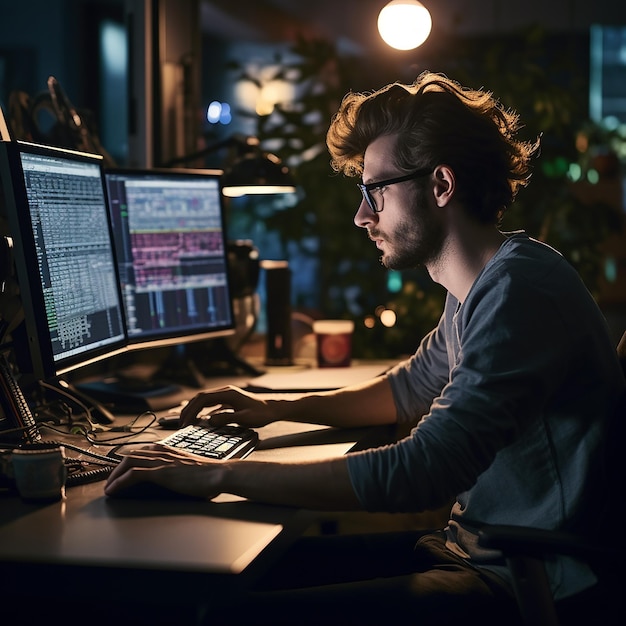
[169, 234]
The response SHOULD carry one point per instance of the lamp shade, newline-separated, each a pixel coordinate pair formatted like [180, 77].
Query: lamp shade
[404, 24]
[252, 171]
[257, 173]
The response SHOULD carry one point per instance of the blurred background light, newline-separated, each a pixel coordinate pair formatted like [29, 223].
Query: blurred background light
[218, 113]
[388, 318]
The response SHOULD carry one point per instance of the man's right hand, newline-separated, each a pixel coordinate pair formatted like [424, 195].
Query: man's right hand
[235, 406]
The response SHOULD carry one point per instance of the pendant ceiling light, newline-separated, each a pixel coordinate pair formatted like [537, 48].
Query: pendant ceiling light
[404, 24]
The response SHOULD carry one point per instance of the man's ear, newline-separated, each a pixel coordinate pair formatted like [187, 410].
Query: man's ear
[445, 185]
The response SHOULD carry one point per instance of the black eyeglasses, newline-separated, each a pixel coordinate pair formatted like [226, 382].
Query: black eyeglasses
[365, 189]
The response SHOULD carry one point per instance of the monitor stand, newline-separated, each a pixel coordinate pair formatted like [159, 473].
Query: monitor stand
[197, 364]
[184, 368]
[131, 396]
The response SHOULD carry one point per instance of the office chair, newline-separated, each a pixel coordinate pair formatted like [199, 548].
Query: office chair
[525, 550]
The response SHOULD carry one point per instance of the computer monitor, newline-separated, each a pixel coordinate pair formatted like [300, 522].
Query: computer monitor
[57, 211]
[170, 241]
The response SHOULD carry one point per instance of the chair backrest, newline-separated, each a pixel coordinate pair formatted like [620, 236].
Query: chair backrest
[602, 505]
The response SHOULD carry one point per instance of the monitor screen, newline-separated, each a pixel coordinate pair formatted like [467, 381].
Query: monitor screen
[58, 216]
[168, 229]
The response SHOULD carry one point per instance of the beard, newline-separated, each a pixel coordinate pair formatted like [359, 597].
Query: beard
[415, 241]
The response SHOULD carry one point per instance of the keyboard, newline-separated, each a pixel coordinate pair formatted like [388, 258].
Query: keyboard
[213, 442]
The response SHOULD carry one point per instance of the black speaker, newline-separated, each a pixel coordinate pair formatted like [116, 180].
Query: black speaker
[278, 312]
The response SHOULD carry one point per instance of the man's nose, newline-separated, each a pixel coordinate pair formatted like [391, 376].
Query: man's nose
[364, 215]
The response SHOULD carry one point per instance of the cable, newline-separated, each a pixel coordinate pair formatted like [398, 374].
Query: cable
[86, 409]
[88, 476]
[95, 455]
[128, 429]
[10, 445]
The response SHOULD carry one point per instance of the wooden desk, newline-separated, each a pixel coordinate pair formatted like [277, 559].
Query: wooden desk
[154, 558]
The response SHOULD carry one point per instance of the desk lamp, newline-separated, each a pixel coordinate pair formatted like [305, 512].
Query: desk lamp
[253, 171]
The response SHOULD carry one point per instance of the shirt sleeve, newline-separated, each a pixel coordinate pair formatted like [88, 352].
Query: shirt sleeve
[416, 382]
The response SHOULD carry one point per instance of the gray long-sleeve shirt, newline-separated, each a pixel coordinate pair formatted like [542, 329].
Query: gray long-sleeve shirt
[513, 389]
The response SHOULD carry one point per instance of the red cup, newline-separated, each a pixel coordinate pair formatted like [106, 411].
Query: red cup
[334, 342]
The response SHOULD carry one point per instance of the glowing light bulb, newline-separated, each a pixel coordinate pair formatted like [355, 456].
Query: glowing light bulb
[404, 24]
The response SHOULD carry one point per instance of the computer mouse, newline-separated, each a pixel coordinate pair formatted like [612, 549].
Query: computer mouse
[169, 422]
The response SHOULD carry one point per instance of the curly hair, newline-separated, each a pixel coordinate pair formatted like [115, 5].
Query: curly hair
[437, 121]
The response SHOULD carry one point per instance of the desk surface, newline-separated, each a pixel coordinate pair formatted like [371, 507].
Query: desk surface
[87, 528]
[184, 542]
[155, 561]
[222, 536]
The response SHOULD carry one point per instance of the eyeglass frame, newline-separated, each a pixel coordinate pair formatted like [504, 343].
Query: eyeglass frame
[367, 187]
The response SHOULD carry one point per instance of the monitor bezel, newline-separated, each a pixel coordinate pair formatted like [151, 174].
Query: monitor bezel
[43, 364]
[179, 336]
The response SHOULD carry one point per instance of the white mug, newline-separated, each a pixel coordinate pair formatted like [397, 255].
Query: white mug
[39, 471]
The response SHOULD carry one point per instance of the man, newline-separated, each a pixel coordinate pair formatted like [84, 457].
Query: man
[510, 392]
